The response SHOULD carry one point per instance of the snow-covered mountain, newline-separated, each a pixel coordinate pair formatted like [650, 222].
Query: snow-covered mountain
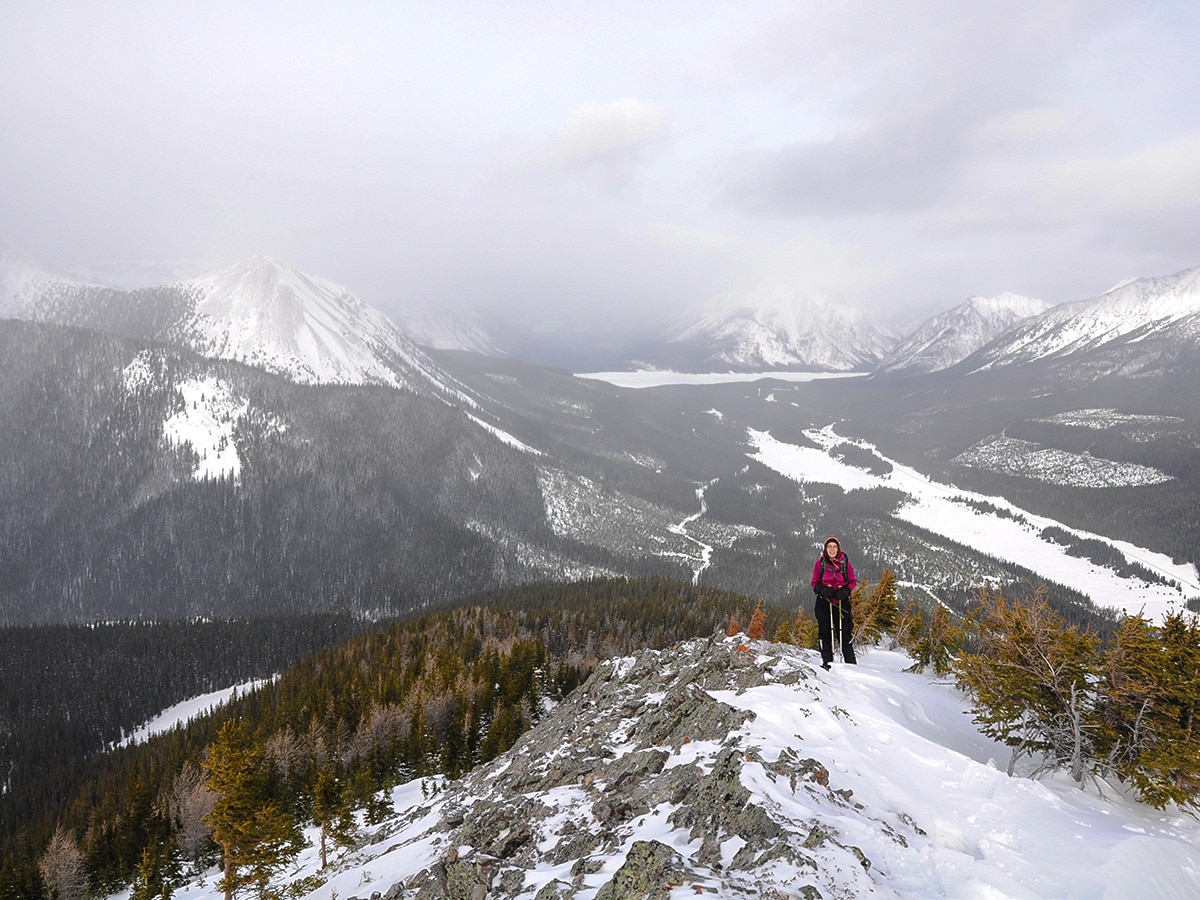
[258, 311]
[735, 768]
[264, 313]
[783, 332]
[952, 336]
[1138, 327]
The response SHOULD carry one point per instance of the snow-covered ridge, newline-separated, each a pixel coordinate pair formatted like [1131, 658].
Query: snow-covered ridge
[448, 329]
[30, 292]
[734, 768]
[786, 331]
[1130, 313]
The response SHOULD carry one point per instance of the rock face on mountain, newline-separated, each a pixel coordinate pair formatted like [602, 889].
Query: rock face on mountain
[644, 779]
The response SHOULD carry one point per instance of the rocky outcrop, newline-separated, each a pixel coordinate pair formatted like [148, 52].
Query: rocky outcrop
[645, 779]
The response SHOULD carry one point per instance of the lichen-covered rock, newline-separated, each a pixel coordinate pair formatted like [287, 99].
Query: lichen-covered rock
[720, 806]
[650, 871]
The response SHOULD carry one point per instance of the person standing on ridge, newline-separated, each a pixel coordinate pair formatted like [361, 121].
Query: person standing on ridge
[833, 581]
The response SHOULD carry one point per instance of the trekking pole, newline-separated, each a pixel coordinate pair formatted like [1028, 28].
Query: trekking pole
[835, 637]
[841, 636]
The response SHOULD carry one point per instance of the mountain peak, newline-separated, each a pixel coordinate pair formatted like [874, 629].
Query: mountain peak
[259, 311]
[949, 337]
[266, 313]
[782, 330]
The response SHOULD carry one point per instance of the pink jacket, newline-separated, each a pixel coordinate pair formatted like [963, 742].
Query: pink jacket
[833, 573]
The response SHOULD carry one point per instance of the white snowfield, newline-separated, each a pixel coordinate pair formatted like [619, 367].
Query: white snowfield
[940, 508]
[930, 807]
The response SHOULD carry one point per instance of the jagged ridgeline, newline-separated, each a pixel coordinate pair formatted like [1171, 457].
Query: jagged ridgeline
[438, 693]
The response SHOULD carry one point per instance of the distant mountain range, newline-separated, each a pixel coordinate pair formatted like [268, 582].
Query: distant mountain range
[1140, 327]
[263, 312]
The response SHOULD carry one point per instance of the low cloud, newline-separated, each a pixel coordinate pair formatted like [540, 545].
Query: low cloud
[895, 167]
[607, 131]
[804, 264]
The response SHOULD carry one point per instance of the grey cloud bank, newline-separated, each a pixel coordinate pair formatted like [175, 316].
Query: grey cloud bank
[615, 167]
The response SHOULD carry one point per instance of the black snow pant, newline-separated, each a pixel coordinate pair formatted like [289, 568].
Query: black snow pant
[835, 624]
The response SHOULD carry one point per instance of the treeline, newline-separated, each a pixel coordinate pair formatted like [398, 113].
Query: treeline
[436, 694]
[68, 692]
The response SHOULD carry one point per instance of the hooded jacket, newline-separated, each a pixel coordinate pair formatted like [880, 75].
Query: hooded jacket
[832, 574]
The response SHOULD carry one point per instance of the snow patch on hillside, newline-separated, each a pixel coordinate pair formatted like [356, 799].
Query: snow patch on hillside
[143, 371]
[504, 436]
[1010, 456]
[205, 424]
[183, 712]
[1103, 419]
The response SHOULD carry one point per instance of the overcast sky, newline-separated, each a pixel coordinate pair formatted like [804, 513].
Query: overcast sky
[598, 163]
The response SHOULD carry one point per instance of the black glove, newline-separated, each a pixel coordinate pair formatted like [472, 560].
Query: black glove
[842, 593]
[824, 590]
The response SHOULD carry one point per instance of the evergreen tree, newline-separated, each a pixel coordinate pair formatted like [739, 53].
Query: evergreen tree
[157, 873]
[257, 835]
[1151, 685]
[877, 614]
[804, 631]
[1034, 683]
[935, 645]
[333, 812]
